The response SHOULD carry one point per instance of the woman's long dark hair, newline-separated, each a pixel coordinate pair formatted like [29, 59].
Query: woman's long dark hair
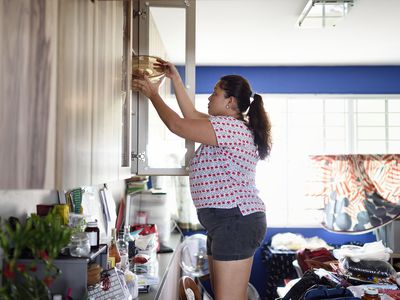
[258, 121]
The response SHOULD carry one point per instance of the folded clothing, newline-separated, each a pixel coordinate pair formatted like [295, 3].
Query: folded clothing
[323, 292]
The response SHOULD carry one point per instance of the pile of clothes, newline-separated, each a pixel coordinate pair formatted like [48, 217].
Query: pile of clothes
[344, 273]
[368, 263]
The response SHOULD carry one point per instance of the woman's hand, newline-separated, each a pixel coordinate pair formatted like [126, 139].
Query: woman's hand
[146, 87]
[169, 68]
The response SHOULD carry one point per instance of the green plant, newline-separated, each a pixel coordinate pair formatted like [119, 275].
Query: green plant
[41, 238]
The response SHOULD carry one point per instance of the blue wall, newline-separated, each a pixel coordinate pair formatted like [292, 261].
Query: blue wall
[308, 80]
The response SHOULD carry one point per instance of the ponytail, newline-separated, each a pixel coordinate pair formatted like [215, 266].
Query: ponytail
[261, 126]
[258, 121]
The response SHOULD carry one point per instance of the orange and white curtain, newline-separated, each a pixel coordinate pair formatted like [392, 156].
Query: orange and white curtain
[360, 192]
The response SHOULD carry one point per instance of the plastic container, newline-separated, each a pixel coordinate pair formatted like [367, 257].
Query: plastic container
[79, 245]
[370, 293]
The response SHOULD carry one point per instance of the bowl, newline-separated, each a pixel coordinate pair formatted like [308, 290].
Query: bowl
[145, 65]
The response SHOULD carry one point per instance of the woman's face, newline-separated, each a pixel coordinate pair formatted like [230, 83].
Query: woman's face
[217, 102]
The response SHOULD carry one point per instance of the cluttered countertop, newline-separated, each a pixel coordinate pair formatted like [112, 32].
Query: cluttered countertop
[60, 251]
[149, 275]
[146, 248]
[164, 261]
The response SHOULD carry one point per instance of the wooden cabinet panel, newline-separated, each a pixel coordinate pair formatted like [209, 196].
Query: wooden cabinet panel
[60, 89]
[75, 93]
[28, 34]
[108, 54]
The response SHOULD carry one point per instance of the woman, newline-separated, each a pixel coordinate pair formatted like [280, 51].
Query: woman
[222, 172]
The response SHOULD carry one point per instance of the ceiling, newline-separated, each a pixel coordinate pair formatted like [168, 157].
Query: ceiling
[264, 33]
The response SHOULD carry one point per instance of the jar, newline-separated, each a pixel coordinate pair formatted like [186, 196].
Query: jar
[93, 233]
[370, 293]
[79, 245]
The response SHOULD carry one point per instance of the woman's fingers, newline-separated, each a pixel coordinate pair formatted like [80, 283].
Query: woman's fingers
[159, 67]
[137, 85]
[163, 63]
[145, 86]
[161, 60]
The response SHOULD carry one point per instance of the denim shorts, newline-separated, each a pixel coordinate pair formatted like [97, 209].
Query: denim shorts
[230, 235]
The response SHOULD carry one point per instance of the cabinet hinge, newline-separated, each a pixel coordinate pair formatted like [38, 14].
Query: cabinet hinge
[140, 13]
[141, 156]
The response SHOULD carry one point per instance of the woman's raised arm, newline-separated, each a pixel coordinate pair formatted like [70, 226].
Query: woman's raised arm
[185, 104]
[195, 129]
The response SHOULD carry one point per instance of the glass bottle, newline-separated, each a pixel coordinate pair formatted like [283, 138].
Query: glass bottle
[113, 251]
[122, 242]
[93, 233]
[123, 247]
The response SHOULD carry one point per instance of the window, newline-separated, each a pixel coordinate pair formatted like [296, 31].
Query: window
[303, 125]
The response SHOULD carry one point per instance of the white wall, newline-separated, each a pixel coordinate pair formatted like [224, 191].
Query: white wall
[21, 203]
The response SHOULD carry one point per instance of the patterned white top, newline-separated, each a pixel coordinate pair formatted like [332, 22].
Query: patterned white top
[223, 176]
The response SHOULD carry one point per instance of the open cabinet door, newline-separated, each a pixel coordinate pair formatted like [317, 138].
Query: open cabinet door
[166, 29]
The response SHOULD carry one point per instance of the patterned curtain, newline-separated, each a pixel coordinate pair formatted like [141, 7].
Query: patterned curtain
[360, 192]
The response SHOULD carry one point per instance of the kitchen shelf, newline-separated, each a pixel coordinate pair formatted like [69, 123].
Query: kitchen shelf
[73, 271]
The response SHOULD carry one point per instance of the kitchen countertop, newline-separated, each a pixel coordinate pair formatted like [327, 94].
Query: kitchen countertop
[164, 261]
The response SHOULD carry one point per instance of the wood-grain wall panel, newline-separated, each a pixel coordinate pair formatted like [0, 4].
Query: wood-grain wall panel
[27, 90]
[102, 109]
[60, 93]
[107, 91]
[75, 93]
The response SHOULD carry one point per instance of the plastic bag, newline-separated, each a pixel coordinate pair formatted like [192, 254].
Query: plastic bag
[367, 268]
[148, 236]
[370, 251]
[132, 283]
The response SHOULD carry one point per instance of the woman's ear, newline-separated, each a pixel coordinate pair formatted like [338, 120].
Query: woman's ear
[232, 102]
